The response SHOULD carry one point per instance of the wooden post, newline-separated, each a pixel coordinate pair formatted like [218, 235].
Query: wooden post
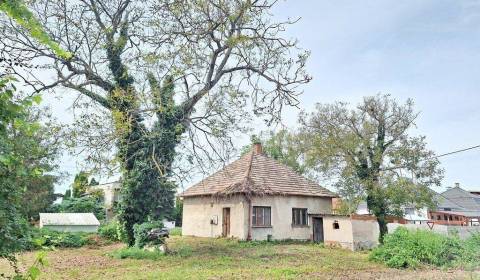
[249, 231]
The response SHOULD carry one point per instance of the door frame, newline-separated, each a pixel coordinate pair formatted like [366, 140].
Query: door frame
[315, 221]
[226, 225]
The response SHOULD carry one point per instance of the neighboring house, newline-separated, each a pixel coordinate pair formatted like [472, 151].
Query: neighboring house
[258, 198]
[111, 194]
[412, 215]
[69, 222]
[457, 206]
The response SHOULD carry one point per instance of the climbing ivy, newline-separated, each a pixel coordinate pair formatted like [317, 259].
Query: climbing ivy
[148, 191]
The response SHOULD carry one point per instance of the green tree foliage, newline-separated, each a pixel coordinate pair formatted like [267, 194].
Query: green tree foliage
[178, 214]
[85, 204]
[217, 58]
[14, 168]
[68, 194]
[80, 184]
[283, 146]
[351, 193]
[17, 10]
[370, 149]
[93, 182]
[41, 149]
[39, 196]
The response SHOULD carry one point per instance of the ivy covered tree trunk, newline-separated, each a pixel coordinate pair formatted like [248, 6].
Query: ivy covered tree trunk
[147, 157]
[377, 207]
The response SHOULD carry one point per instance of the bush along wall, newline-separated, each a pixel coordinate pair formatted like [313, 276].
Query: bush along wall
[413, 248]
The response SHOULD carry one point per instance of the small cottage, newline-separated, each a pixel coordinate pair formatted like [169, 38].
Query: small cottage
[256, 198]
[69, 222]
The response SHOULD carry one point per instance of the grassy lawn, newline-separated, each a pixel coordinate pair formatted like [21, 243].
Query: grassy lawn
[202, 258]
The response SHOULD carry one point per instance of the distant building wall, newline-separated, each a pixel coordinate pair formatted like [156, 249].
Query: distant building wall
[463, 232]
[365, 234]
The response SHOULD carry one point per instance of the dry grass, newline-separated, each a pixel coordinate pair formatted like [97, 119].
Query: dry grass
[202, 258]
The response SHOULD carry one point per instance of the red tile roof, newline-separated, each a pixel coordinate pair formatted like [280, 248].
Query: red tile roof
[256, 173]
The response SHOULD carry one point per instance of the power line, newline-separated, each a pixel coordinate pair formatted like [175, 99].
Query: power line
[458, 151]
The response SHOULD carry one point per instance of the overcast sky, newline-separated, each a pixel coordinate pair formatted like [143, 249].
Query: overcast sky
[425, 50]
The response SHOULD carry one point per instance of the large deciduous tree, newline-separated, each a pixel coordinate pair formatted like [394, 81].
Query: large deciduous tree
[162, 70]
[369, 147]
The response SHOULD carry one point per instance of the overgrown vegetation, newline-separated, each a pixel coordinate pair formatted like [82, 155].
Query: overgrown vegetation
[413, 248]
[112, 230]
[137, 254]
[141, 234]
[49, 239]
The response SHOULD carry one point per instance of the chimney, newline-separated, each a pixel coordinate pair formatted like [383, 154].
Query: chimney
[457, 185]
[257, 148]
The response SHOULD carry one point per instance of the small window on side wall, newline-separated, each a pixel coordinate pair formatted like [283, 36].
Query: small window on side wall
[336, 225]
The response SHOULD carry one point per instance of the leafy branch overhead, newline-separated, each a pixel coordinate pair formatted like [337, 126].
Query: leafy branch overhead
[19, 12]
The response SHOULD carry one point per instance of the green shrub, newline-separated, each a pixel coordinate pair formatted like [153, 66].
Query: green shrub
[404, 248]
[49, 238]
[140, 233]
[136, 253]
[111, 230]
[471, 254]
[85, 204]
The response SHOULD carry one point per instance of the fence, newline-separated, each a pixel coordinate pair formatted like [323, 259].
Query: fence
[463, 232]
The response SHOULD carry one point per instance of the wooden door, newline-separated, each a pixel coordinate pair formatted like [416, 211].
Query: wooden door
[226, 222]
[318, 229]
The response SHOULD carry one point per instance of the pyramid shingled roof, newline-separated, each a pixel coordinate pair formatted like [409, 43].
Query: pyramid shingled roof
[257, 174]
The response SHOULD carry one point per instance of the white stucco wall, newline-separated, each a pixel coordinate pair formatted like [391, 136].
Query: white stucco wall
[365, 234]
[281, 209]
[198, 211]
[72, 228]
[343, 236]
[352, 234]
